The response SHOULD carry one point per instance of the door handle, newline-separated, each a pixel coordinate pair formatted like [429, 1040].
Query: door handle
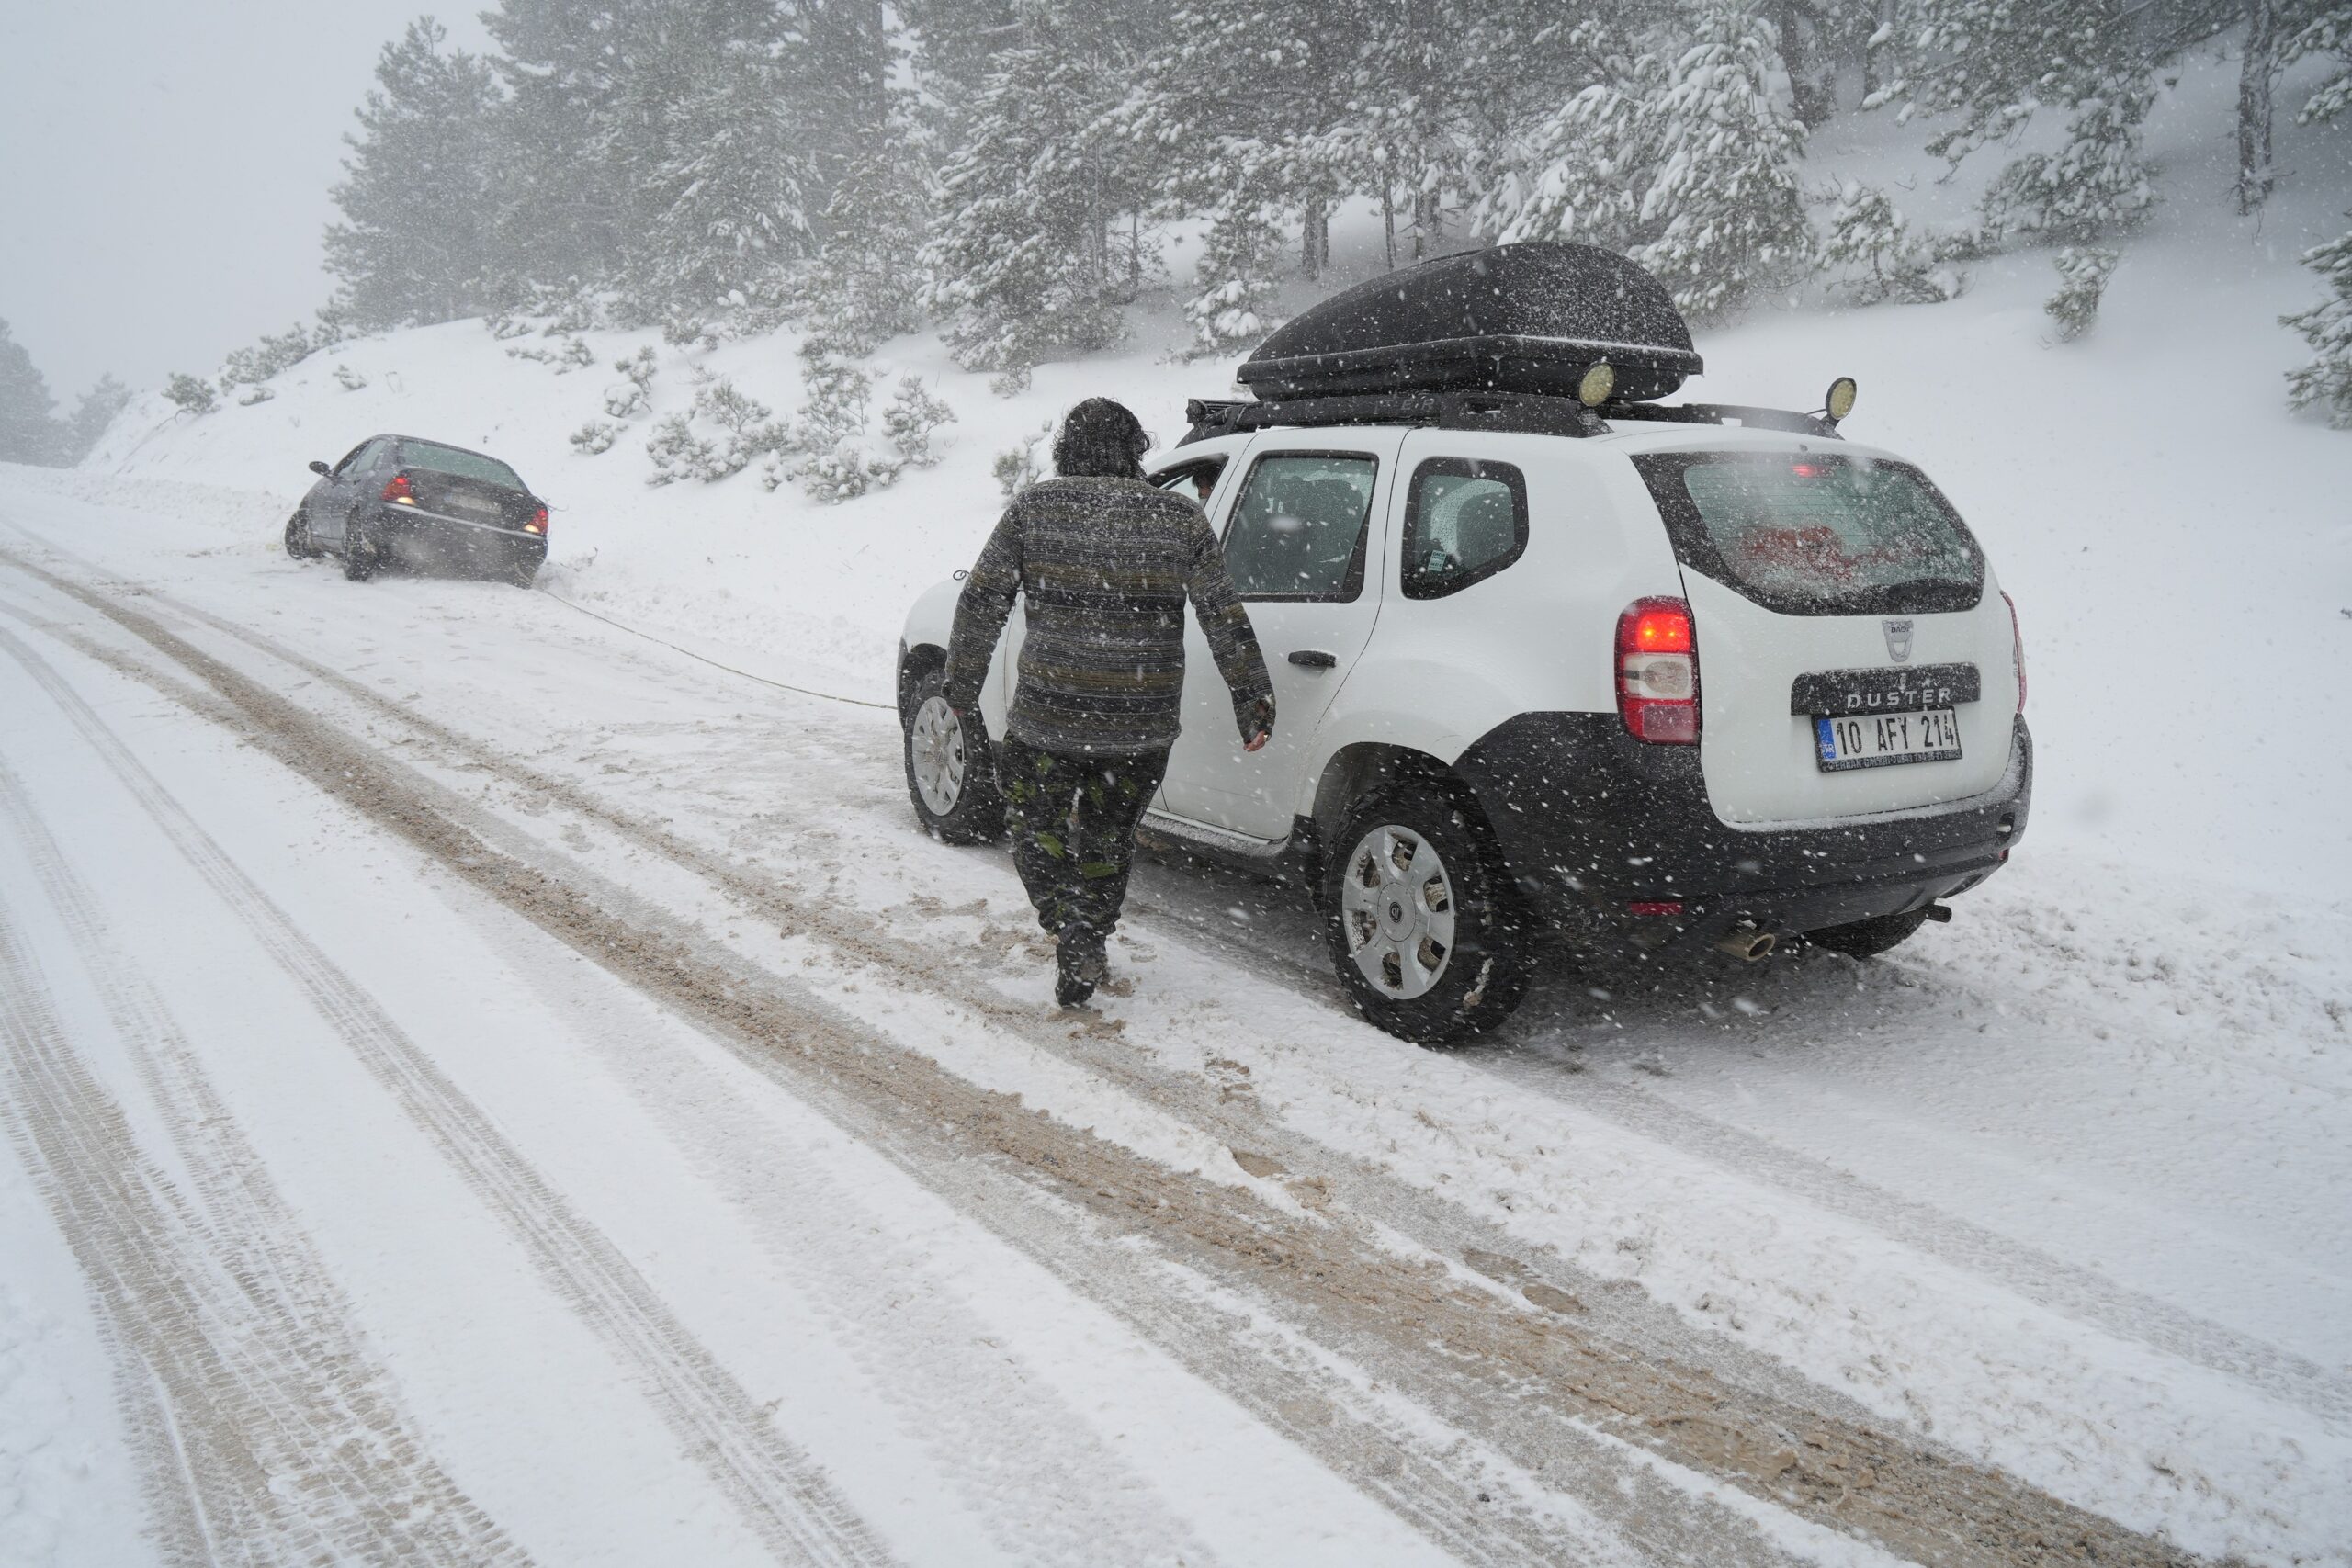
[1315, 658]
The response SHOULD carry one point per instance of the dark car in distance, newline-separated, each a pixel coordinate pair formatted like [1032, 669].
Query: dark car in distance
[426, 503]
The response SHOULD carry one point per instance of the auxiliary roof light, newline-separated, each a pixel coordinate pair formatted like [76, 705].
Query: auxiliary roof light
[1594, 386]
[1840, 400]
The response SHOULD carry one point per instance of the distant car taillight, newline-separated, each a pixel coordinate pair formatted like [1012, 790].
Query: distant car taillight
[538, 523]
[2016, 641]
[1657, 672]
[398, 489]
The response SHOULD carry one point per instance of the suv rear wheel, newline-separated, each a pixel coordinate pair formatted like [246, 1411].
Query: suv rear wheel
[951, 772]
[1421, 918]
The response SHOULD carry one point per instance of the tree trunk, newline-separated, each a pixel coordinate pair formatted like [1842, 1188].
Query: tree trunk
[1315, 238]
[1808, 100]
[1388, 217]
[2257, 73]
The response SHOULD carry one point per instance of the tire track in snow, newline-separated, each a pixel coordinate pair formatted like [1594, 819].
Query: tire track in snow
[787, 1499]
[393, 1497]
[1528, 1380]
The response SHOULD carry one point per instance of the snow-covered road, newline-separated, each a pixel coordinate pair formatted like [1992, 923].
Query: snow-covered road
[483, 1084]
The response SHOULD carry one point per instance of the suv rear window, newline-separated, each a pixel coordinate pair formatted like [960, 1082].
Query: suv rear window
[457, 464]
[1808, 534]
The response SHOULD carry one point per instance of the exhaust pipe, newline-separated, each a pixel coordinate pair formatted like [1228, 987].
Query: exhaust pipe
[1746, 943]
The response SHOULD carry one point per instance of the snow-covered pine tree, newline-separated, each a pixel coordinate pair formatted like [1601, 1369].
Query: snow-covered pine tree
[733, 188]
[2326, 382]
[863, 286]
[190, 394]
[1241, 260]
[913, 417]
[1726, 188]
[2327, 32]
[97, 409]
[1995, 62]
[28, 429]
[1025, 262]
[1869, 236]
[414, 241]
[2082, 272]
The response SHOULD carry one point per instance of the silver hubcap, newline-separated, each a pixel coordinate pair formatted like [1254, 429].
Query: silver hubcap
[936, 746]
[1397, 906]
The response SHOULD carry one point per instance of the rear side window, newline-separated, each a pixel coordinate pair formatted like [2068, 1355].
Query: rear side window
[1465, 522]
[1194, 479]
[1298, 530]
[1804, 534]
[458, 464]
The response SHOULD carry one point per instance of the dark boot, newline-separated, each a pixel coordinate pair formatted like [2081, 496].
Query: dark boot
[1082, 964]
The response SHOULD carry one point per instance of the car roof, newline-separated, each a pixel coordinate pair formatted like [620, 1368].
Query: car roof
[1629, 438]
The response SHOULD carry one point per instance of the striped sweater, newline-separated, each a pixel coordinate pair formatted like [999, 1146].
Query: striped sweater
[1107, 565]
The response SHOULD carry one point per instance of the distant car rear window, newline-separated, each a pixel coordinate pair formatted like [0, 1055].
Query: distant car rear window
[460, 465]
[1806, 534]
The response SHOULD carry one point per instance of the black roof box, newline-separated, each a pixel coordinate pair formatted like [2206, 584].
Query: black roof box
[1524, 318]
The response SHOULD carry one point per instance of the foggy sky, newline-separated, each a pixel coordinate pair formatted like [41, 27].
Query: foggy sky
[164, 167]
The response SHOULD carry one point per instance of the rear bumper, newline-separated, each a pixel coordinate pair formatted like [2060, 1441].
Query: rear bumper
[1590, 822]
[395, 525]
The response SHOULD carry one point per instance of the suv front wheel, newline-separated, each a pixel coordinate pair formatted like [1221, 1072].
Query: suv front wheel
[951, 773]
[1421, 918]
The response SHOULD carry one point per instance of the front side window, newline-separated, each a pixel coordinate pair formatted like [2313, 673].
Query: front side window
[353, 461]
[457, 464]
[1806, 534]
[1194, 479]
[1298, 529]
[1465, 522]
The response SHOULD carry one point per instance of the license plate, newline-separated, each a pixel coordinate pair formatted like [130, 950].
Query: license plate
[1880, 740]
[475, 504]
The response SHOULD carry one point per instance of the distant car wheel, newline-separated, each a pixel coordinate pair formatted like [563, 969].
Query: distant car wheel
[1868, 939]
[950, 772]
[522, 574]
[298, 543]
[360, 554]
[1424, 927]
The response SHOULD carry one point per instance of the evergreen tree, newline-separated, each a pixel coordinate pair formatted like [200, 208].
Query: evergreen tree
[28, 429]
[1024, 261]
[96, 410]
[2082, 272]
[863, 286]
[414, 241]
[1587, 166]
[1871, 238]
[2327, 31]
[1726, 188]
[2326, 382]
[737, 184]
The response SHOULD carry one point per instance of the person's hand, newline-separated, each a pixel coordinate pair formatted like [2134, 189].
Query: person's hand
[1258, 741]
[1261, 717]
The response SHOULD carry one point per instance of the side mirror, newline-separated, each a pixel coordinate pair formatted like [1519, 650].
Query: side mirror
[320, 468]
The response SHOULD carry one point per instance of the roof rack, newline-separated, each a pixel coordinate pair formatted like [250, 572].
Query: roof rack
[1525, 414]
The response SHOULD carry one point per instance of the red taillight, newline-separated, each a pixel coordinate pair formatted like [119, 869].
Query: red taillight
[1657, 672]
[2016, 641]
[1655, 907]
[538, 523]
[399, 488]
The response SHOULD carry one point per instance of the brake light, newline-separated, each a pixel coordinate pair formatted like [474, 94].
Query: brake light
[2016, 641]
[399, 488]
[538, 523]
[1657, 672]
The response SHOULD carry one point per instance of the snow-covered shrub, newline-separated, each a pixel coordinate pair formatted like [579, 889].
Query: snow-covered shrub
[910, 419]
[2082, 278]
[350, 380]
[503, 326]
[253, 394]
[252, 367]
[193, 394]
[682, 329]
[2326, 382]
[677, 452]
[625, 401]
[1870, 235]
[842, 470]
[1021, 466]
[572, 355]
[838, 394]
[1010, 383]
[596, 436]
[638, 366]
[2094, 187]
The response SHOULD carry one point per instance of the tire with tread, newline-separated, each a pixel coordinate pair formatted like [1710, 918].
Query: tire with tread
[975, 815]
[359, 554]
[298, 543]
[1868, 939]
[1484, 974]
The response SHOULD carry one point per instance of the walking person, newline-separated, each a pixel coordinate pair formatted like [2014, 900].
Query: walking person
[1107, 562]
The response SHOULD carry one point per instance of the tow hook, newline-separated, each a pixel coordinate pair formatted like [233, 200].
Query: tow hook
[1940, 913]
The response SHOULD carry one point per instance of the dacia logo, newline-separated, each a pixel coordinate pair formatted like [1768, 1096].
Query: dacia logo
[1898, 640]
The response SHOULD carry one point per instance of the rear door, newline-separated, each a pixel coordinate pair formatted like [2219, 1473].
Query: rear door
[1304, 526]
[1839, 587]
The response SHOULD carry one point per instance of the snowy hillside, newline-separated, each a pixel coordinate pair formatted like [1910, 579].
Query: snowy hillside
[522, 1079]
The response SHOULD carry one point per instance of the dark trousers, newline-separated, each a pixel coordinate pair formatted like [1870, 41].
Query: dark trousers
[1073, 823]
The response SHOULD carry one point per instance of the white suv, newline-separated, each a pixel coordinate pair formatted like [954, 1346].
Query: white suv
[1641, 676]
